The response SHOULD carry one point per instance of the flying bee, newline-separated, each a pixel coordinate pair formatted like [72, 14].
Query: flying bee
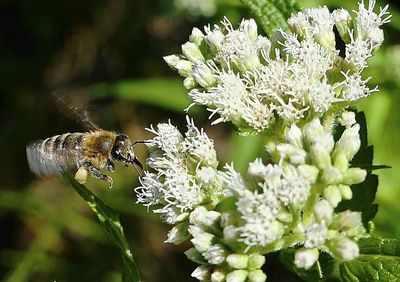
[85, 152]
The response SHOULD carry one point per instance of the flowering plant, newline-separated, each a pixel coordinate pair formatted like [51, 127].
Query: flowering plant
[294, 89]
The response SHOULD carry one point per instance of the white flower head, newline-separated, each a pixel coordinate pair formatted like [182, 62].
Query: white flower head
[316, 235]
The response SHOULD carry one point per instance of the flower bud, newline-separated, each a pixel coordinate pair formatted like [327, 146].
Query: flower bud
[349, 142]
[218, 276]
[354, 175]
[346, 192]
[256, 261]
[189, 83]
[343, 23]
[294, 136]
[195, 256]
[200, 216]
[332, 195]
[340, 161]
[309, 172]
[257, 276]
[172, 60]
[215, 254]
[192, 52]
[250, 28]
[323, 211]
[230, 233]
[197, 36]
[214, 40]
[348, 222]
[237, 276]
[201, 273]
[237, 261]
[299, 24]
[312, 131]
[376, 37]
[178, 234]
[320, 156]
[203, 75]
[305, 258]
[201, 240]
[343, 248]
[347, 119]
[332, 175]
[326, 38]
[184, 67]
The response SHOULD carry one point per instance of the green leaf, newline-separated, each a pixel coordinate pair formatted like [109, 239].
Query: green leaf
[165, 93]
[379, 260]
[272, 14]
[110, 221]
[245, 149]
[318, 272]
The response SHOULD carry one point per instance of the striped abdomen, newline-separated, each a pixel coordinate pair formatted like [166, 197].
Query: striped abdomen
[55, 154]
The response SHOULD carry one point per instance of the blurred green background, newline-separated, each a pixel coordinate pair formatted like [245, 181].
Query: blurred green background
[111, 52]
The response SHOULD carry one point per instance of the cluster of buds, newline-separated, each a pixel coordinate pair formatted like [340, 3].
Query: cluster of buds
[256, 82]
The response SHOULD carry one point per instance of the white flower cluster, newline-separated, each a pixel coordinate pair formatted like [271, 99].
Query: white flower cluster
[184, 172]
[294, 200]
[255, 82]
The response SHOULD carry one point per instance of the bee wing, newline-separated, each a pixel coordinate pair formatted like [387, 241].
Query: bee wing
[45, 160]
[72, 103]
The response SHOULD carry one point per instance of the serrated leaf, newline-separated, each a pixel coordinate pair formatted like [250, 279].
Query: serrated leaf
[110, 221]
[272, 14]
[318, 272]
[379, 260]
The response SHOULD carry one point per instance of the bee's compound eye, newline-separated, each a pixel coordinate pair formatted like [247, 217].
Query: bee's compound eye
[81, 175]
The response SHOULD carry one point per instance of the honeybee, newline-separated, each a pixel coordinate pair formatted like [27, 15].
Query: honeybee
[85, 152]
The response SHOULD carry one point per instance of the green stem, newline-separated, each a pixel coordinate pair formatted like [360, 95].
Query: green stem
[285, 242]
[110, 221]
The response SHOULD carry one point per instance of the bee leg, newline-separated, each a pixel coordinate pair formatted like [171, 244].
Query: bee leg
[110, 166]
[97, 173]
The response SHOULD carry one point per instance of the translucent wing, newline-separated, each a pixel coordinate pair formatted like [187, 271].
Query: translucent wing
[72, 101]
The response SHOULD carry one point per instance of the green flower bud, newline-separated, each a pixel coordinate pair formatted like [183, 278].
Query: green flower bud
[218, 276]
[354, 175]
[189, 83]
[237, 276]
[214, 40]
[178, 234]
[305, 258]
[347, 119]
[230, 233]
[256, 261]
[237, 261]
[312, 131]
[320, 156]
[326, 39]
[323, 211]
[332, 175]
[197, 36]
[195, 256]
[192, 52]
[250, 27]
[215, 254]
[340, 161]
[201, 240]
[332, 195]
[348, 222]
[346, 192]
[257, 276]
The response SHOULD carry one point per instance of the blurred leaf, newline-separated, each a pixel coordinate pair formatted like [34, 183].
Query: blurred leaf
[110, 221]
[165, 93]
[272, 14]
[379, 260]
[318, 272]
[245, 149]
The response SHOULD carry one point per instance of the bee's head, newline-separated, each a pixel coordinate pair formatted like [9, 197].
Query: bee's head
[122, 151]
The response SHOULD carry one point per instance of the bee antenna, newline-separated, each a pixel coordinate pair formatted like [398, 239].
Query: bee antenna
[141, 142]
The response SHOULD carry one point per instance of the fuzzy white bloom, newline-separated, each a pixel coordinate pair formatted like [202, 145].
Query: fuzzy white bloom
[355, 87]
[316, 234]
[215, 254]
[201, 273]
[305, 258]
